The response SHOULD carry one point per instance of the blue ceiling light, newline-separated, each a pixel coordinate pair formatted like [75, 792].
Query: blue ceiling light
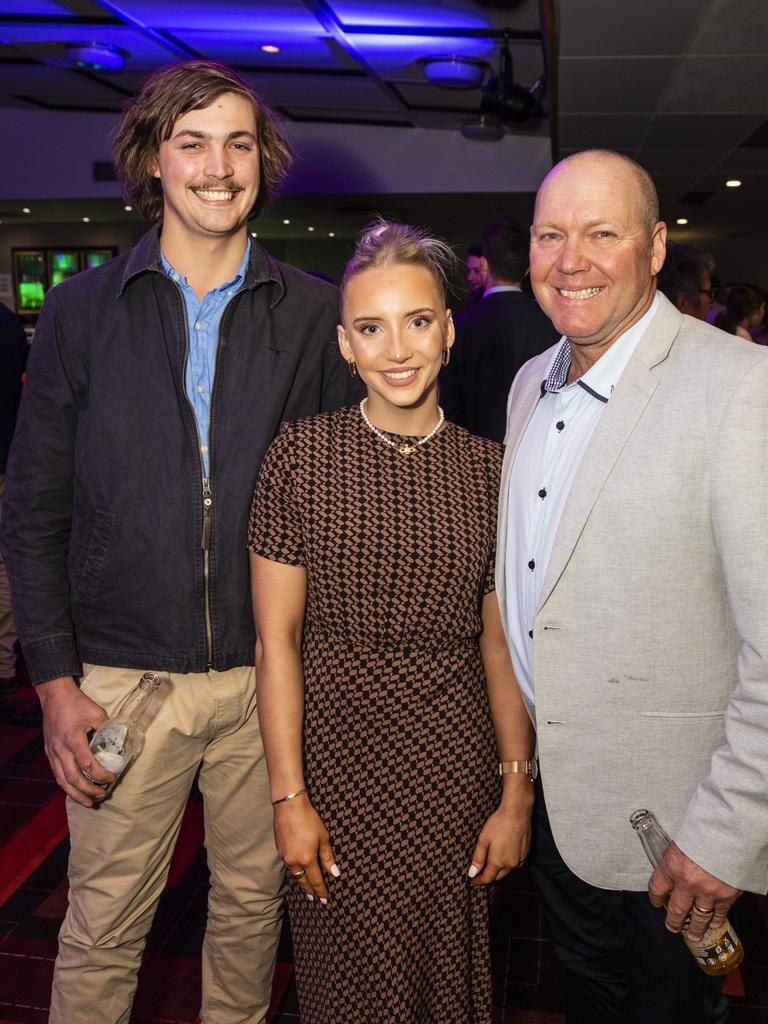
[100, 57]
[454, 72]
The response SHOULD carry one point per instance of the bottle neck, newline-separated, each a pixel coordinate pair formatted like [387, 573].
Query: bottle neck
[141, 699]
[653, 837]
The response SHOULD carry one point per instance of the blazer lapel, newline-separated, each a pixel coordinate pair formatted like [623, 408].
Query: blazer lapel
[621, 415]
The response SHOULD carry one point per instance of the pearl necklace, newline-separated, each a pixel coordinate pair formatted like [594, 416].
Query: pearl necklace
[402, 447]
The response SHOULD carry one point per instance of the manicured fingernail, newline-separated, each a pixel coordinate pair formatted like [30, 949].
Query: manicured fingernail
[324, 902]
[472, 871]
[310, 897]
[335, 871]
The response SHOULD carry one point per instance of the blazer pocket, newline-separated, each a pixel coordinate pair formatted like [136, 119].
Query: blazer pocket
[91, 570]
[677, 715]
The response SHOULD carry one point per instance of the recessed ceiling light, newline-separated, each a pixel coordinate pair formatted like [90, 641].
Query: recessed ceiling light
[254, 234]
[270, 48]
[26, 209]
[286, 221]
[127, 209]
[331, 234]
[310, 229]
[86, 220]
[733, 183]
[681, 220]
[97, 57]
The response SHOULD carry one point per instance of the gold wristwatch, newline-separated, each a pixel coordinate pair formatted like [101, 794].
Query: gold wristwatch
[529, 768]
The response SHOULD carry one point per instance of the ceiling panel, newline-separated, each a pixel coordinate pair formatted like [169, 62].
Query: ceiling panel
[242, 47]
[32, 7]
[595, 27]
[701, 129]
[683, 159]
[287, 17]
[733, 26]
[630, 84]
[319, 91]
[608, 131]
[728, 85]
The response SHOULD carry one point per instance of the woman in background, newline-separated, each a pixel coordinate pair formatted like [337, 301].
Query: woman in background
[382, 669]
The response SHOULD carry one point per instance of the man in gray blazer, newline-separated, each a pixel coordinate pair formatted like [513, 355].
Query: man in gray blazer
[632, 579]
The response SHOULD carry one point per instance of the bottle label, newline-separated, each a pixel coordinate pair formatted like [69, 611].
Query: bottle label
[716, 947]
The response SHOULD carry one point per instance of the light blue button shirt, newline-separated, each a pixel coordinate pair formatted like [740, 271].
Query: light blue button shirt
[203, 323]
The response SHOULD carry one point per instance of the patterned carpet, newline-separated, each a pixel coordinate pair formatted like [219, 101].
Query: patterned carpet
[33, 895]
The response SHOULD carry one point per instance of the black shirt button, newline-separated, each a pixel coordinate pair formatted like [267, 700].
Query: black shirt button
[543, 492]
[530, 633]
[531, 565]
[560, 425]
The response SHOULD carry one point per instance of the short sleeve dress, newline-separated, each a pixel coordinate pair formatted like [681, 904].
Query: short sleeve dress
[399, 751]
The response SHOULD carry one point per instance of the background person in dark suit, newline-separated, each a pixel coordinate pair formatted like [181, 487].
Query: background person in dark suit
[495, 337]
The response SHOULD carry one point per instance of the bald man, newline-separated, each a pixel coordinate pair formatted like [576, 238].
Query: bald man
[632, 577]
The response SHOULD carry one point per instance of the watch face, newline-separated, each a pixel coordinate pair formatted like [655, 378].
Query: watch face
[534, 768]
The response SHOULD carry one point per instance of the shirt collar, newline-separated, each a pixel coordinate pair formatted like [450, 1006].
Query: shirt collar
[502, 288]
[239, 276]
[602, 377]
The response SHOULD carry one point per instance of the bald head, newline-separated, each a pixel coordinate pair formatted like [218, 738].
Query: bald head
[626, 170]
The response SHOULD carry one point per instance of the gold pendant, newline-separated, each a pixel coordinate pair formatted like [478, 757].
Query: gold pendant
[406, 449]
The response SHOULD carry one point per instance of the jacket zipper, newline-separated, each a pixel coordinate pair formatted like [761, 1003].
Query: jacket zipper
[207, 493]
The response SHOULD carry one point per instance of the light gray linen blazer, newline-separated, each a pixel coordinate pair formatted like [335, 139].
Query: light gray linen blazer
[651, 636]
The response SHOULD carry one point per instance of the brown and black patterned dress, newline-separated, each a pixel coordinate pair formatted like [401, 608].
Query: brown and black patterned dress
[399, 751]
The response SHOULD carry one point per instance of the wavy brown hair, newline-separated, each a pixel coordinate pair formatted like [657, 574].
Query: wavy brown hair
[149, 119]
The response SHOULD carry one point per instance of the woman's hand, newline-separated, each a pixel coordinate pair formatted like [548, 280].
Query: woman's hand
[505, 839]
[304, 845]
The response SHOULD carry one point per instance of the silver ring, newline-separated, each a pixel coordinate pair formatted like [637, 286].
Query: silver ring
[101, 785]
[708, 911]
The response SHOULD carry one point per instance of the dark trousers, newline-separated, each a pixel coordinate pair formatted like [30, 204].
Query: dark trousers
[621, 964]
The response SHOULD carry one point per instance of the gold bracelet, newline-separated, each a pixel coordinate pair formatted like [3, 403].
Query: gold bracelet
[289, 796]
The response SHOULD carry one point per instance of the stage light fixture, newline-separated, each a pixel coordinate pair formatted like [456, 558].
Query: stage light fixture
[503, 98]
[681, 221]
[733, 183]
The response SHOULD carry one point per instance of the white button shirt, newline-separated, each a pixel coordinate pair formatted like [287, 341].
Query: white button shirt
[546, 463]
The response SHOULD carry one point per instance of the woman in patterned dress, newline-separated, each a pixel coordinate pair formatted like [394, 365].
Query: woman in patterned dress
[386, 694]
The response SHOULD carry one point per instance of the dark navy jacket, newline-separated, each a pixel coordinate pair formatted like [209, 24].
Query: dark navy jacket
[103, 511]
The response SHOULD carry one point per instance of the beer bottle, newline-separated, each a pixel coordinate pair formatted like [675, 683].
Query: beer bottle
[719, 950]
[120, 739]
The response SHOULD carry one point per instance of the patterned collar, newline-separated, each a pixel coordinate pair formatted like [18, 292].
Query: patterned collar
[558, 371]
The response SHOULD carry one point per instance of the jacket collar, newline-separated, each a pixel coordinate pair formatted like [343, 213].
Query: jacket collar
[145, 256]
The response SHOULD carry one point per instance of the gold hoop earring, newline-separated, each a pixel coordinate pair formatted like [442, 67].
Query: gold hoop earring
[446, 357]
[352, 367]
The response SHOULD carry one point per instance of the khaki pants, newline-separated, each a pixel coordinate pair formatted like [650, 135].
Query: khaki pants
[7, 625]
[121, 852]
